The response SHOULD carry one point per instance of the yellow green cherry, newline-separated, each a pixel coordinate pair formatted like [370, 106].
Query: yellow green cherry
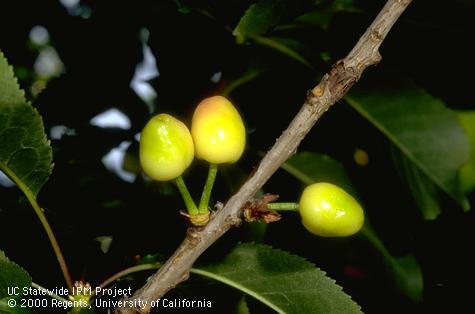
[166, 148]
[329, 211]
[218, 131]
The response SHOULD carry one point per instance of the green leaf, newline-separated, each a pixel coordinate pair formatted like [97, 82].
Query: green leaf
[421, 127]
[10, 92]
[259, 18]
[311, 167]
[287, 46]
[408, 275]
[11, 276]
[405, 270]
[25, 153]
[182, 8]
[322, 16]
[242, 307]
[467, 173]
[423, 190]
[284, 282]
[104, 243]
[253, 71]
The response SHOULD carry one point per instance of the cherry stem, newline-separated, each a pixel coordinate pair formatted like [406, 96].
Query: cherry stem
[205, 196]
[283, 206]
[185, 194]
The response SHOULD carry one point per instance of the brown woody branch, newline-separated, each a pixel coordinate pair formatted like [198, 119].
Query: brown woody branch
[333, 86]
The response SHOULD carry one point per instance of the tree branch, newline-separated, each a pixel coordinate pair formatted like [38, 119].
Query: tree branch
[333, 86]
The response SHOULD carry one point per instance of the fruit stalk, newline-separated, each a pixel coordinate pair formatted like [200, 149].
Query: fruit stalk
[204, 201]
[185, 194]
[284, 206]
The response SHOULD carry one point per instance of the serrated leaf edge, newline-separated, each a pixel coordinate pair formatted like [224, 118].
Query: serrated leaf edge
[12, 72]
[258, 296]
[44, 139]
[4, 257]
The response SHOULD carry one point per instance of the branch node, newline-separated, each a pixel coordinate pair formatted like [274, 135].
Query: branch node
[218, 205]
[376, 35]
[197, 220]
[257, 210]
[185, 276]
[317, 91]
[234, 220]
[341, 77]
[312, 99]
[377, 58]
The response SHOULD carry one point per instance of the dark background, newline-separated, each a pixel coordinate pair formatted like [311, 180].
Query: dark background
[83, 200]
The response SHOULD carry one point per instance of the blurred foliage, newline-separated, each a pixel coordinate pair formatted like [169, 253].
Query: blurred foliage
[467, 173]
[264, 55]
[428, 134]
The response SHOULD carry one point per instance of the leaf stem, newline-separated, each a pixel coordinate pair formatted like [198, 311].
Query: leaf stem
[284, 206]
[372, 238]
[204, 201]
[44, 222]
[128, 271]
[185, 194]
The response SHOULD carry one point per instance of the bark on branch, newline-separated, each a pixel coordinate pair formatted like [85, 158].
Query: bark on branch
[331, 88]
